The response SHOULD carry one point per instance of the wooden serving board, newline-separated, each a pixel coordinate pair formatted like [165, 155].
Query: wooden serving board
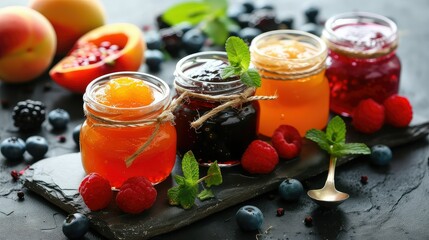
[57, 179]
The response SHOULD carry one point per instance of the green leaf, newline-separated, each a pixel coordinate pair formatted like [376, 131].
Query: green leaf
[238, 53]
[319, 137]
[179, 179]
[340, 150]
[217, 4]
[215, 30]
[214, 176]
[190, 167]
[187, 194]
[229, 71]
[251, 78]
[205, 194]
[336, 130]
[192, 12]
[173, 195]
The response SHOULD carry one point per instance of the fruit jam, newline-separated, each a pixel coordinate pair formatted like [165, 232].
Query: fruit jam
[225, 136]
[362, 62]
[121, 110]
[292, 65]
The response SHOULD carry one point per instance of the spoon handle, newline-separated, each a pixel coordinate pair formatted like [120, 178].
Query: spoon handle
[331, 172]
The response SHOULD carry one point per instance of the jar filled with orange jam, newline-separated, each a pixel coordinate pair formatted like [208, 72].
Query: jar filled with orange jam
[292, 66]
[127, 131]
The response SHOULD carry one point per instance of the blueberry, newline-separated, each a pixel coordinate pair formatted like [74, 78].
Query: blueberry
[381, 155]
[248, 5]
[233, 30]
[154, 58]
[161, 23]
[244, 19]
[193, 40]
[183, 27]
[235, 11]
[13, 148]
[58, 118]
[75, 226]
[248, 34]
[153, 40]
[287, 23]
[36, 146]
[311, 14]
[291, 189]
[76, 133]
[249, 218]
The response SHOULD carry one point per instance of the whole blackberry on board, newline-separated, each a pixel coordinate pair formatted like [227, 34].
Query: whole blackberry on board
[28, 115]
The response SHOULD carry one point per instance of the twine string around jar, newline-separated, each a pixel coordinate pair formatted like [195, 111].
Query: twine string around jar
[228, 101]
[167, 114]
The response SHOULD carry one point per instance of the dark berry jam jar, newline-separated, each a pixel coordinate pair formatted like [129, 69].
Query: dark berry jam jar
[362, 62]
[224, 136]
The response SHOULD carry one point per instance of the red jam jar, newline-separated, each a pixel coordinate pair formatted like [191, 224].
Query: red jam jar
[362, 62]
[224, 136]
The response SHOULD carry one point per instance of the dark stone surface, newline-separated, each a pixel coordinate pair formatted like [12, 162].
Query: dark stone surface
[393, 205]
[57, 180]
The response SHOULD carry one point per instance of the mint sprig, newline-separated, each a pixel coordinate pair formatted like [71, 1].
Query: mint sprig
[239, 61]
[334, 140]
[208, 15]
[187, 188]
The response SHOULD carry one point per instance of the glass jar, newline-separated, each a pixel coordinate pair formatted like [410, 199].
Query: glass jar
[362, 62]
[292, 65]
[111, 138]
[224, 136]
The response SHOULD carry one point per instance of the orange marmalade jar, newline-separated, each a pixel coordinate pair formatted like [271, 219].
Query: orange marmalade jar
[132, 139]
[292, 65]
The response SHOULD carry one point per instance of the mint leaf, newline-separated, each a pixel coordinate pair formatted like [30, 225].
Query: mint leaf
[205, 194]
[190, 167]
[238, 53]
[217, 4]
[343, 149]
[336, 130]
[215, 30]
[187, 194]
[179, 179]
[192, 12]
[173, 195]
[251, 78]
[214, 177]
[319, 137]
[229, 71]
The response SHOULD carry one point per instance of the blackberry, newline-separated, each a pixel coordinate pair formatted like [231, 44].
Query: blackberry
[28, 115]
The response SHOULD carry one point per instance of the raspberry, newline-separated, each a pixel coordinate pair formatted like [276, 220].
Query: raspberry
[136, 195]
[95, 191]
[368, 116]
[259, 157]
[287, 141]
[398, 111]
[28, 115]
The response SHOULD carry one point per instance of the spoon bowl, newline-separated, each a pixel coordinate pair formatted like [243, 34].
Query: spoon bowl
[328, 196]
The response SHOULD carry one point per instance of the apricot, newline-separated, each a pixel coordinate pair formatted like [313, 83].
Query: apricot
[27, 44]
[71, 19]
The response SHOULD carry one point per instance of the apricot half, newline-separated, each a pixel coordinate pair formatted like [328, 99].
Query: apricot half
[109, 48]
[27, 44]
[70, 18]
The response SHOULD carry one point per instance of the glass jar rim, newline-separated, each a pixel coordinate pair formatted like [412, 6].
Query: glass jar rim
[381, 46]
[322, 48]
[329, 24]
[154, 82]
[213, 88]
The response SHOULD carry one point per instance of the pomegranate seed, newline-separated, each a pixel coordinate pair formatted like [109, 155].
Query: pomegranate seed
[20, 195]
[15, 175]
[308, 221]
[364, 179]
[62, 139]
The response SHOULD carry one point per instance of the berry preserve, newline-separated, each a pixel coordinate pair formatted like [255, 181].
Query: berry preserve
[225, 135]
[125, 133]
[362, 62]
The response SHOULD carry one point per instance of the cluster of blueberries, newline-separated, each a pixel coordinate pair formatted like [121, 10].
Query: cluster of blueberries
[28, 116]
[251, 20]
